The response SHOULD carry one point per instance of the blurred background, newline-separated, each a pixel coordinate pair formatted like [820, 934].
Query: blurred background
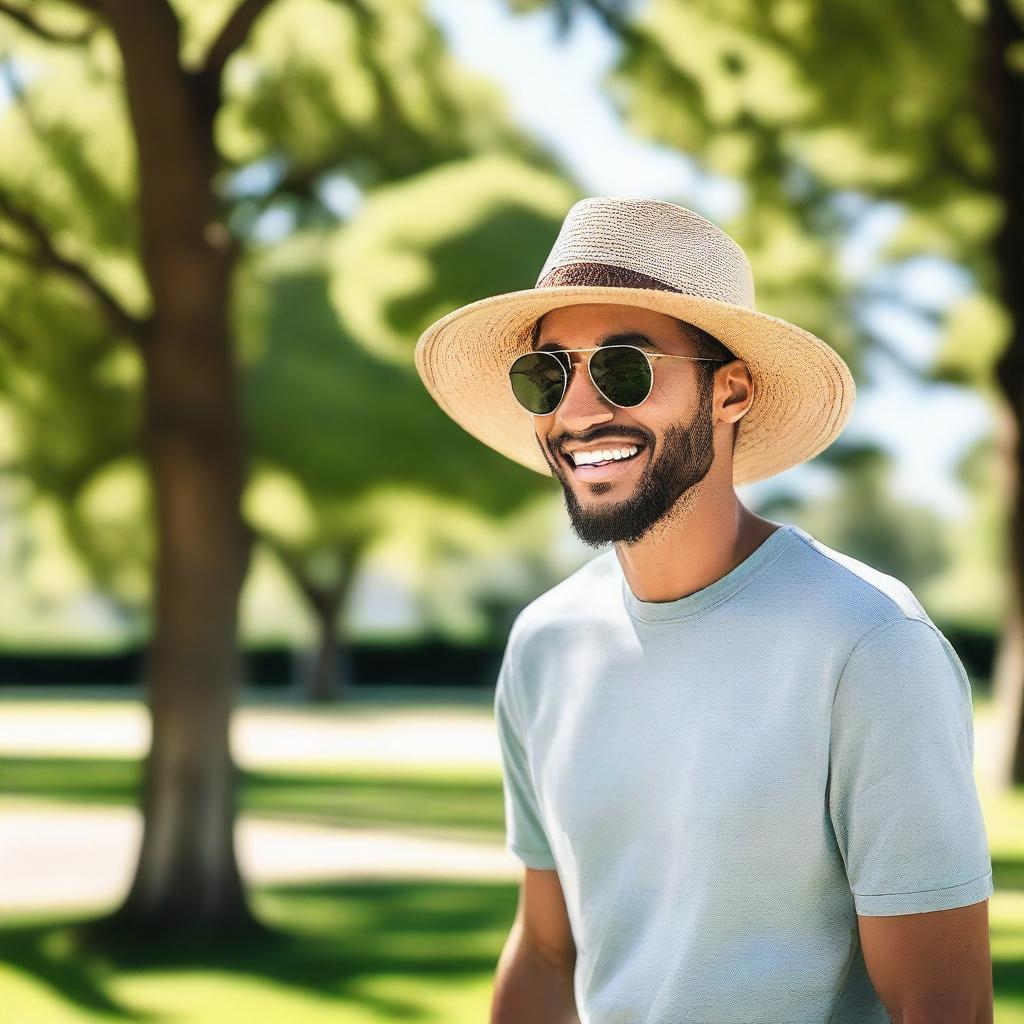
[255, 585]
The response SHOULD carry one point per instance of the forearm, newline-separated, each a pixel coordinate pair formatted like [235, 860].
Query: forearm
[531, 988]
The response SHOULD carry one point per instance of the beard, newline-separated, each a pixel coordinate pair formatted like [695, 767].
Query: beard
[686, 457]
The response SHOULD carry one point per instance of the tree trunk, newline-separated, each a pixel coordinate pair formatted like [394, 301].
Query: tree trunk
[1000, 91]
[324, 683]
[187, 877]
[331, 673]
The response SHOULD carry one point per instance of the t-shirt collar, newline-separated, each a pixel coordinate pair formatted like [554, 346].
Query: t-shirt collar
[701, 600]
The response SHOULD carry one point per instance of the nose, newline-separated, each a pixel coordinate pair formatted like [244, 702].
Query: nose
[582, 404]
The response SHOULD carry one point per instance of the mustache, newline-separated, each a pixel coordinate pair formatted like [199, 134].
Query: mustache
[559, 445]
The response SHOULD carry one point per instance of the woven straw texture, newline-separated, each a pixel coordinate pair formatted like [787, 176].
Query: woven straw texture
[803, 391]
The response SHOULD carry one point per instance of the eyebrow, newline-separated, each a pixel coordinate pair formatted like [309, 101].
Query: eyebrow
[614, 338]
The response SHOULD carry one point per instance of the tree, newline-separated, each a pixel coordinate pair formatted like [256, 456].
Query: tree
[127, 177]
[333, 400]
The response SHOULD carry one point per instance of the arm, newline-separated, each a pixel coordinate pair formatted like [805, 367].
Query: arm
[534, 981]
[908, 822]
[931, 968]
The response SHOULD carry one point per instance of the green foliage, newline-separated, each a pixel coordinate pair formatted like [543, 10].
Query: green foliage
[867, 95]
[322, 405]
[348, 443]
[975, 333]
[366, 91]
[67, 155]
[863, 519]
[969, 591]
[342, 430]
[457, 233]
[72, 400]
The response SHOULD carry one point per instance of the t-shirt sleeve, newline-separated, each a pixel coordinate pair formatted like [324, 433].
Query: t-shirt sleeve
[524, 829]
[902, 797]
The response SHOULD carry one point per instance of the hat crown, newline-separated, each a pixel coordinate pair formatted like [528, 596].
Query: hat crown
[651, 237]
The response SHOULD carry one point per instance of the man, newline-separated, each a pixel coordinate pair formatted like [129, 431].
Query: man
[737, 763]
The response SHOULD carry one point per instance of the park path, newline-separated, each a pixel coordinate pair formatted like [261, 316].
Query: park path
[57, 855]
[264, 733]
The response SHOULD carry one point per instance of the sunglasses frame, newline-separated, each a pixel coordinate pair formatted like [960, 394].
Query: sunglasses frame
[599, 348]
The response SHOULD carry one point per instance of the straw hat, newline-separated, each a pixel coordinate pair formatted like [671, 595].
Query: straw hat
[664, 257]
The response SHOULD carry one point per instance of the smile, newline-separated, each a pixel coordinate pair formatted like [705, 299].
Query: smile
[606, 469]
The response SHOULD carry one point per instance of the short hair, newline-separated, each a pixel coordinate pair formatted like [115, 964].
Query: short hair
[708, 347]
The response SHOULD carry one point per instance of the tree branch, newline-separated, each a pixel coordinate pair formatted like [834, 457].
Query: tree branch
[37, 28]
[231, 37]
[45, 255]
[612, 13]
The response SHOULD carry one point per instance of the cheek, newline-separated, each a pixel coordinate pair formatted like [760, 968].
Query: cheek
[673, 401]
[663, 410]
[671, 396]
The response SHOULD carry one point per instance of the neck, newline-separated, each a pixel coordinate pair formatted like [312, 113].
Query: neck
[708, 533]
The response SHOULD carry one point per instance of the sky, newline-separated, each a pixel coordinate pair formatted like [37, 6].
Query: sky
[554, 89]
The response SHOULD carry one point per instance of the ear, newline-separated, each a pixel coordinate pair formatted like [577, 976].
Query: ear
[740, 391]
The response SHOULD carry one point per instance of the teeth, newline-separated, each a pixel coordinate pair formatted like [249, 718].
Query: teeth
[589, 458]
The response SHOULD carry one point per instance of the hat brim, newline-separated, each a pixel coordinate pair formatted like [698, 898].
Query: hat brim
[803, 390]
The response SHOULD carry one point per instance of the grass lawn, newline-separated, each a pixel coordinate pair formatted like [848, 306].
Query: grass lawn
[371, 952]
[350, 952]
[368, 951]
[458, 801]
[362, 952]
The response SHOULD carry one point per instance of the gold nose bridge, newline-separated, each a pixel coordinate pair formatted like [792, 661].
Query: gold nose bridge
[581, 365]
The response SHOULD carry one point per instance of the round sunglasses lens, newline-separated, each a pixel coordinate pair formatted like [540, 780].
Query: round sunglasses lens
[538, 381]
[623, 373]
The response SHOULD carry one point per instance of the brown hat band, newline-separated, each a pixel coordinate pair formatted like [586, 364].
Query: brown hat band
[602, 275]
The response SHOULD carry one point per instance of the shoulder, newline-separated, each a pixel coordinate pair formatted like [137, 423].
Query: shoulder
[881, 628]
[901, 663]
[860, 590]
[584, 597]
[555, 620]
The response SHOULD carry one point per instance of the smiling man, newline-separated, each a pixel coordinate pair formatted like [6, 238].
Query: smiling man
[737, 763]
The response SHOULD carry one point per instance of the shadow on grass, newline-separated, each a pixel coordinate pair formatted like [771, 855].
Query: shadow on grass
[1008, 980]
[48, 954]
[355, 797]
[323, 939]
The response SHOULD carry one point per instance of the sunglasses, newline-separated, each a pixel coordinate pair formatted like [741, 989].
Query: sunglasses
[623, 374]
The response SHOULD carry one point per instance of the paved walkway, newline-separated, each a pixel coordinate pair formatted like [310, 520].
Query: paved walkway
[55, 855]
[263, 735]
[67, 857]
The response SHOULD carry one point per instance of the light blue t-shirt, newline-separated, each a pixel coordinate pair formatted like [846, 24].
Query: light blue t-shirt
[723, 782]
